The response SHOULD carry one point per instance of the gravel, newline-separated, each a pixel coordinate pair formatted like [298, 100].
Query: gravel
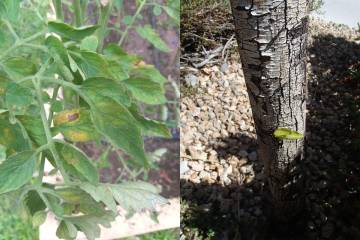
[218, 143]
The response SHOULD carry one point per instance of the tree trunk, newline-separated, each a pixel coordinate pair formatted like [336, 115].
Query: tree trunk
[272, 37]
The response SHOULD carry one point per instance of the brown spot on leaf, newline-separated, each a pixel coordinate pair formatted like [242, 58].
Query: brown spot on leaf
[73, 117]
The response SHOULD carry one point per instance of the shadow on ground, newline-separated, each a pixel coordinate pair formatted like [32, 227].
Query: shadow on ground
[332, 166]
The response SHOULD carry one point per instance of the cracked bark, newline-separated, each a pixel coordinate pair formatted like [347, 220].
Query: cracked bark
[272, 37]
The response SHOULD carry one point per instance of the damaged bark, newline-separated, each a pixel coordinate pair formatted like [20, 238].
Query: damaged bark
[272, 38]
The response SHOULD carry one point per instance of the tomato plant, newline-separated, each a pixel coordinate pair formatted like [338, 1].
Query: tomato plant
[96, 90]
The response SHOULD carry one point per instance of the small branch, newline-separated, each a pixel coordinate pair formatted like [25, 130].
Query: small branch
[104, 19]
[58, 9]
[11, 29]
[78, 13]
[138, 11]
[21, 43]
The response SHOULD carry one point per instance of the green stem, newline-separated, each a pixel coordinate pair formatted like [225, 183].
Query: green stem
[138, 11]
[58, 10]
[78, 13]
[11, 29]
[37, 85]
[51, 114]
[41, 169]
[105, 12]
[21, 43]
[53, 98]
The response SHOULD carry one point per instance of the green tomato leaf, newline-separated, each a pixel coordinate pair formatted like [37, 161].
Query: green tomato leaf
[173, 13]
[67, 31]
[57, 47]
[18, 98]
[287, 134]
[57, 106]
[9, 9]
[92, 64]
[107, 88]
[150, 127]
[16, 171]
[33, 202]
[148, 33]
[78, 160]
[34, 128]
[2, 153]
[157, 10]
[148, 72]
[89, 43]
[19, 67]
[146, 91]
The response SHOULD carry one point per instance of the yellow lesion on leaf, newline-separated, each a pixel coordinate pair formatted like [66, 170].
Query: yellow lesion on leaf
[66, 117]
[70, 158]
[77, 136]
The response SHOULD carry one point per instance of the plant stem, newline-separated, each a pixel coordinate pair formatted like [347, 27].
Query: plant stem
[105, 12]
[11, 29]
[21, 43]
[51, 114]
[53, 98]
[78, 13]
[37, 85]
[138, 11]
[58, 10]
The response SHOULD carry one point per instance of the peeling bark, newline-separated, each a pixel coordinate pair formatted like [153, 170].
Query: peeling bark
[272, 38]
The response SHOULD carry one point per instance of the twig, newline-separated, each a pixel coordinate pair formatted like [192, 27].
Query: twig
[227, 44]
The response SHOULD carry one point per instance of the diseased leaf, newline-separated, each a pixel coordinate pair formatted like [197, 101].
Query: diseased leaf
[137, 196]
[77, 160]
[39, 218]
[146, 91]
[89, 224]
[287, 134]
[84, 202]
[66, 230]
[89, 43]
[75, 125]
[131, 196]
[116, 53]
[16, 171]
[100, 193]
[12, 138]
[115, 122]
[148, 33]
[67, 31]
[107, 88]
[150, 127]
